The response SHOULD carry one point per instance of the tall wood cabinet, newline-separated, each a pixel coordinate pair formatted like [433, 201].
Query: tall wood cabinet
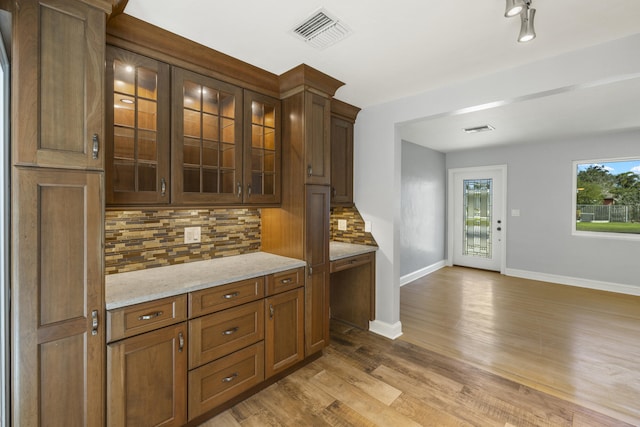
[306, 95]
[57, 292]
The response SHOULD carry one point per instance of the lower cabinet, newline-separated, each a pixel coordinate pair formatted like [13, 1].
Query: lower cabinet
[147, 379]
[161, 375]
[284, 331]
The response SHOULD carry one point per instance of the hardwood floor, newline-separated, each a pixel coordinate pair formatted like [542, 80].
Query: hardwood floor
[366, 380]
[579, 345]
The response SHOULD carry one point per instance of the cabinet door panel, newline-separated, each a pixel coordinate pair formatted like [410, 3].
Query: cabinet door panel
[206, 147]
[137, 134]
[59, 86]
[341, 162]
[147, 383]
[284, 331]
[317, 139]
[57, 287]
[262, 170]
[317, 281]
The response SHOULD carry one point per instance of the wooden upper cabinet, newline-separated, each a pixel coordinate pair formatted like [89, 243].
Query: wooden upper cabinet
[343, 117]
[138, 129]
[206, 151]
[341, 162]
[58, 84]
[317, 139]
[262, 170]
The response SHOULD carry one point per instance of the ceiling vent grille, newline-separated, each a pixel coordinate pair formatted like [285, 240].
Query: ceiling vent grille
[321, 30]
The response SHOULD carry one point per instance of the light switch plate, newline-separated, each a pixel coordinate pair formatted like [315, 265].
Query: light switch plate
[192, 234]
[515, 212]
[342, 224]
[367, 226]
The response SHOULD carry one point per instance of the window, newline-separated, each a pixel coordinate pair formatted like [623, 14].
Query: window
[607, 197]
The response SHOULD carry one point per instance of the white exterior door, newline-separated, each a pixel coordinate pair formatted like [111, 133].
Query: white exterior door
[476, 217]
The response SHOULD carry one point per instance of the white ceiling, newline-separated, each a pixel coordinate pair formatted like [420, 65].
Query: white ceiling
[402, 48]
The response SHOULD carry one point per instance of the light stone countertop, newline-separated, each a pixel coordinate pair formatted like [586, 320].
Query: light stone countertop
[135, 287]
[340, 250]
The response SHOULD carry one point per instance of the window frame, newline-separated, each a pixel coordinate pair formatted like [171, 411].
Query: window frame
[574, 202]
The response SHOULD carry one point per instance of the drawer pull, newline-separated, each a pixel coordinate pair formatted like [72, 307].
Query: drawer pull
[286, 281]
[150, 315]
[230, 378]
[232, 295]
[353, 261]
[230, 331]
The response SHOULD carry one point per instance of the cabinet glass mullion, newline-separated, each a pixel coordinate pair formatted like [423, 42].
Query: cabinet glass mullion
[210, 140]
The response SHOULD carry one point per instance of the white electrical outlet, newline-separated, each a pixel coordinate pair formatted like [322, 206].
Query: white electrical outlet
[367, 226]
[192, 234]
[342, 224]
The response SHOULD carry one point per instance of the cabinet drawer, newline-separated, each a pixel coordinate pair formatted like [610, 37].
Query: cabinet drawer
[215, 383]
[218, 334]
[354, 261]
[135, 319]
[284, 281]
[225, 296]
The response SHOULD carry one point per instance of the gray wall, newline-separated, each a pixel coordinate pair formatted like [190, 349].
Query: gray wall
[377, 150]
[422, 232]
[540, 185]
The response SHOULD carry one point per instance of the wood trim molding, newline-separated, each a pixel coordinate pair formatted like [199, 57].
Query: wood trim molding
[117, 8]
[130, 33]
[308, 78]
[346, 111]
[99, 4]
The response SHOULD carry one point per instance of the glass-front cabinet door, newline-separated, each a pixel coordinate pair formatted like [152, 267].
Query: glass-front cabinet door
[262, 148]
[137, 167]
[207, 140]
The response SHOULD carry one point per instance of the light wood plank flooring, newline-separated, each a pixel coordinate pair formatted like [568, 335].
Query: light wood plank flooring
[577, 344]
[366, 380]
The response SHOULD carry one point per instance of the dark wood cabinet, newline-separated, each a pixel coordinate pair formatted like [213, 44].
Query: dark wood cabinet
[57, 219]
[262, 152]
[343, 117]
[137, 135]
[147, 383]
[353, 286]
[317, 256]
[284, 320]
[58, 102]
[317, 139]
[206, 147]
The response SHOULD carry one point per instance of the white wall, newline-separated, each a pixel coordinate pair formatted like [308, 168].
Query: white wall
[423, 206]
[377, 168]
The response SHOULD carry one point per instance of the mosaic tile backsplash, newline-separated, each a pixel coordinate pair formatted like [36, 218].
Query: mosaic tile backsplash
[355, 227]
[135, 240]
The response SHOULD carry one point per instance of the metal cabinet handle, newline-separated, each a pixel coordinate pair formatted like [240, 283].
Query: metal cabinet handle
[150, 315]
[309, 170]
[96, 146]
[163, 187]
[230, 377]
[239, 190]
[180, 342]
[286, 281]
[248, 191]
[229, 296]
[333, 192]
[230, 331]
[271, 311]
[94, 322]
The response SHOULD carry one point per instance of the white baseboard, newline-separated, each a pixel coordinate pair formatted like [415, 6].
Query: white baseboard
[422, 272]
[387, 330]
[575, 281]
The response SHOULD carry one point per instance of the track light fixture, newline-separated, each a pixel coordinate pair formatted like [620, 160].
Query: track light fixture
[527, 14]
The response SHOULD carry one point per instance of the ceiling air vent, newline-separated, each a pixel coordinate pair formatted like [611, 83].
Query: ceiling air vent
[321, 30]
[483, 128]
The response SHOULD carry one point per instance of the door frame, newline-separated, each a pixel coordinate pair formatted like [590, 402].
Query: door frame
[502, 170]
